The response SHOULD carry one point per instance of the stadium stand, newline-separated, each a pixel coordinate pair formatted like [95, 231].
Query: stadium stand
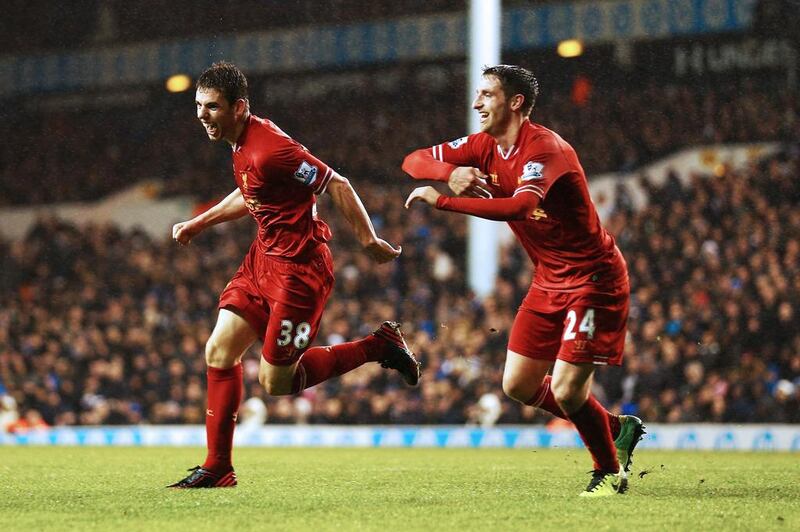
[105, 327]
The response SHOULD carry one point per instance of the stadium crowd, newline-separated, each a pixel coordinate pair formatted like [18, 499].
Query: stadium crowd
[100, 326]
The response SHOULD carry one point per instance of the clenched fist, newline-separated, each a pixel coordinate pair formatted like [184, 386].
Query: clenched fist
[184, 232]
[468, 181]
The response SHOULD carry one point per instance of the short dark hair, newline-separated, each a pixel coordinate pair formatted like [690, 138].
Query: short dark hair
[516, 80]
[227, 79]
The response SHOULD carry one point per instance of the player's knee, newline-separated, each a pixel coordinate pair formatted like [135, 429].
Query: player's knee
[516, 389]
[218, 355]
[565, 392]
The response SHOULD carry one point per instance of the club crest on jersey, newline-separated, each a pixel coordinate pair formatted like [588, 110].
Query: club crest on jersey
[532, 170]
[252, 204]
[306, 173]
[455, 144]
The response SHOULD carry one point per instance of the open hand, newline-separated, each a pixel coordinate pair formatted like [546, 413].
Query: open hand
[427, 194]
[381, 251]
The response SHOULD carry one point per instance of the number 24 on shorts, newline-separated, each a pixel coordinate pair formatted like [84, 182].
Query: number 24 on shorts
[301, 336]
[586, 325]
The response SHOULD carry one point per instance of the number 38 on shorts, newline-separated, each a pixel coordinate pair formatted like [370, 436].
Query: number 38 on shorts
[298, 336]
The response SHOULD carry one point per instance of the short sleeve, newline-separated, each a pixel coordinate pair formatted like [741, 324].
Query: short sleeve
[541, 170]
[295, 162]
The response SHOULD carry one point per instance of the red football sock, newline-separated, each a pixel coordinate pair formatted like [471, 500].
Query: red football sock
[544, 399]
[319, 364]
[224, 396]
[591, 420]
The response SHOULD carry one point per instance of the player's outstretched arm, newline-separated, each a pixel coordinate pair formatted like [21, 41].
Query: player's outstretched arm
[421, 164]
[462, 180]
[230, 208]
[347, 201]
[518, 207]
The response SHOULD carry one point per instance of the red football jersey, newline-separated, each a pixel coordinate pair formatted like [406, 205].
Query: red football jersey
[563, 237]
[278, 178]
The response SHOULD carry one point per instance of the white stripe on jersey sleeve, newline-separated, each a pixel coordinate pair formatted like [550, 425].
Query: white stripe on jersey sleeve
[323, 184]
[530, 188]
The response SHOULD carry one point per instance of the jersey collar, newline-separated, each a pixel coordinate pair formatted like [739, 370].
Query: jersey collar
[243, 136]
[514, 149]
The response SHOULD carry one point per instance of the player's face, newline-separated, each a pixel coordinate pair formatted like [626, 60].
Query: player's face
[216, 114]
[492, 106]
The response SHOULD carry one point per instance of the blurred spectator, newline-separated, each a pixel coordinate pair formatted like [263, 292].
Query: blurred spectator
[253, 412]
[487, 410]
[32, 420]
[8, 412]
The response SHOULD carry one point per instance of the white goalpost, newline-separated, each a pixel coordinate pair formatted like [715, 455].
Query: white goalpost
[484, 49]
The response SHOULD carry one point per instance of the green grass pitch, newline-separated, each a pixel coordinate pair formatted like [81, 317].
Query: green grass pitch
[117, 489]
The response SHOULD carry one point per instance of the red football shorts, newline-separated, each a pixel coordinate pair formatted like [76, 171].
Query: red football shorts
[282, 300]
[575, 327]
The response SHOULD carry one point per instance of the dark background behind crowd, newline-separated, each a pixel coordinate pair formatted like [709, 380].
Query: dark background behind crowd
[104, 326]
[364, 122]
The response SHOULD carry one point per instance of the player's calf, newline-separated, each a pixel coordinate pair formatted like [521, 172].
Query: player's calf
[277, 380]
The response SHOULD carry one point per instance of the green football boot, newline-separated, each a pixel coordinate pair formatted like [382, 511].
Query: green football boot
[603, 484]
[630, 433]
